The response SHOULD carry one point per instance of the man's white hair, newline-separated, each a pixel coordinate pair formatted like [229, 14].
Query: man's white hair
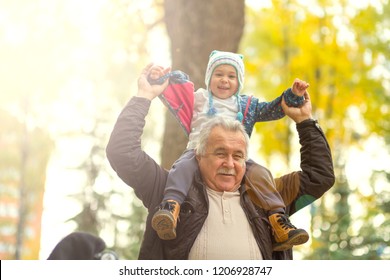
[224, 123]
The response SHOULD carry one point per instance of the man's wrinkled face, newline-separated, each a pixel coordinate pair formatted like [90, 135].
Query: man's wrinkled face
[223, 165]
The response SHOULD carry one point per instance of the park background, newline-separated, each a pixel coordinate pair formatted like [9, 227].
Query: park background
[67, 67]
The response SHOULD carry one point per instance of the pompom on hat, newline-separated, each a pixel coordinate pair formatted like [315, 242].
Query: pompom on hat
[219, 58]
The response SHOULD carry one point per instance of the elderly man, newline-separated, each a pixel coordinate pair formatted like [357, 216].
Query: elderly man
[218, 219]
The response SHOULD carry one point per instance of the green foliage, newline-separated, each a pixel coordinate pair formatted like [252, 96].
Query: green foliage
[134, 233]
[342, 51]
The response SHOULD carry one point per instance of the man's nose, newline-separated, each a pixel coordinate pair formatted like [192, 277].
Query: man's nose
[229, 161]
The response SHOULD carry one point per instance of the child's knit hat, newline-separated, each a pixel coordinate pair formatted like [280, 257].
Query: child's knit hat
[218, 58]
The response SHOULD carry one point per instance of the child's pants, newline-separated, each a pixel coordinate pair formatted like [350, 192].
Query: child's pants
[262, 189]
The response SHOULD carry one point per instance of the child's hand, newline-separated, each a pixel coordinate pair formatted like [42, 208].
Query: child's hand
[299, 87]
[145, 88]
[156, 72]
[299, 114]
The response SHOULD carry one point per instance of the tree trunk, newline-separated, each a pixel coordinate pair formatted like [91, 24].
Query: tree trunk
[195, 28]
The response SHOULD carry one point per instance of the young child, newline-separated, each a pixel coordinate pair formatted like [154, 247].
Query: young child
[224, 81]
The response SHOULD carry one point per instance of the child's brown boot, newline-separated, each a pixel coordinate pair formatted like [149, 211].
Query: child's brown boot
[164, 220]
[285, 234]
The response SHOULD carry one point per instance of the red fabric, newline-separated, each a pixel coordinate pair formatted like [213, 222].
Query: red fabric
[179, 98]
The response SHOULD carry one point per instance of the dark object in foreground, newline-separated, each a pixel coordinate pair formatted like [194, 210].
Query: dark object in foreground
[82, 246]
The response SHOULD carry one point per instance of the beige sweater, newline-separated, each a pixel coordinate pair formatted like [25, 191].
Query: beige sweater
[216, 240]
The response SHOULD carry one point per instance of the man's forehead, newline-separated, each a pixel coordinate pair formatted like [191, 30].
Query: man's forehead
[232, 150]
[220, 138]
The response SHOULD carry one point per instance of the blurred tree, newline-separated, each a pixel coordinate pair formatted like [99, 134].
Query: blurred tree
[373, 42]
[332, 46]
[24, 156]
[74, 61]
[362, 237]
[111, 211]
[194, 32]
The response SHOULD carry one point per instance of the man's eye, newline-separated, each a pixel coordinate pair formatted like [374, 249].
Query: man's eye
[220, 155]
[238, 157]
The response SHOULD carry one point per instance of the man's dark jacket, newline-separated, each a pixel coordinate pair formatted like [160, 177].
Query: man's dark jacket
[147, 178]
